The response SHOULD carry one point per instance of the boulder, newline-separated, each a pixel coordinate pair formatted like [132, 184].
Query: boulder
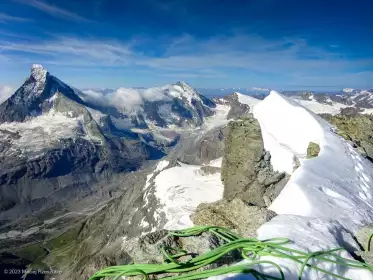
[208, 170]
[313, 150]
[237, 215]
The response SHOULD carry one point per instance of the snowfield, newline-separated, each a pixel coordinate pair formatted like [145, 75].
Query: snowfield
[218, 119]
[319, 108]
[41, 132]
[181, 189]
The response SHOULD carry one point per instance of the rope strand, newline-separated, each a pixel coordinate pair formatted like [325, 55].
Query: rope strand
[250, 249]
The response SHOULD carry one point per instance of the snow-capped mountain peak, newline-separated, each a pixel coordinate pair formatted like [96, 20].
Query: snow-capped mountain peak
[39, 73]
[348, 90]
[33, 97]
[36, 83]
[183, 89]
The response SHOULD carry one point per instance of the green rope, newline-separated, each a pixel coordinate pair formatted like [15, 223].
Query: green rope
[250, 249]
[369, 241]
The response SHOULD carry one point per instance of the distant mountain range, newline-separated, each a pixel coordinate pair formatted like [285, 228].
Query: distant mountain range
[62, 149]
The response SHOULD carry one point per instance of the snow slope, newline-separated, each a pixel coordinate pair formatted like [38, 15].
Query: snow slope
[248, 100]
[326, 197]
[218, 119]
[336, 184]
[319, 108]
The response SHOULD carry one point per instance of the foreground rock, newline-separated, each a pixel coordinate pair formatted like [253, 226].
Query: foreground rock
[148, 250]
[247, 172]
[362, 237]
[235, 214]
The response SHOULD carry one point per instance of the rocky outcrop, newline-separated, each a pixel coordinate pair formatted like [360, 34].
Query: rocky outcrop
[313, 150]
[246, 169]
[350, 111]
[243, 150]
[362, 237]
[238, 109]
[208, 170]
[235, 214]
[357, 129]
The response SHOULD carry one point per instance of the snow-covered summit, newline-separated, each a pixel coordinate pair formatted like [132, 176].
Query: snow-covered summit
[181, 90]
[39, 73]
[348, 90]
[33, 97]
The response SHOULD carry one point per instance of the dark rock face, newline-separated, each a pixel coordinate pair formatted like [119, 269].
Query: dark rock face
[201, 148]
[237, 108]
[28, 101]
[350, 111]
[63, 176]
[246, 169]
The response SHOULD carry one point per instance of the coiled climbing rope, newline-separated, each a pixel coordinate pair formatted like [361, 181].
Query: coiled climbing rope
[250, 249]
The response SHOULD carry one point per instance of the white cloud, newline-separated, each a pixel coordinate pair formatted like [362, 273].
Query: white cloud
[53, 10]
[5, 17]
[126, 98]
[5, 93]
[71, 51]
[218, 57]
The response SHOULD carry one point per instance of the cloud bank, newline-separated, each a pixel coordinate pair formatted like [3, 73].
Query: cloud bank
[5, 93]
[125, 99]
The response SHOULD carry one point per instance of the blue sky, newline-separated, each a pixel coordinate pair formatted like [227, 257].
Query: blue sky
[221, 43]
